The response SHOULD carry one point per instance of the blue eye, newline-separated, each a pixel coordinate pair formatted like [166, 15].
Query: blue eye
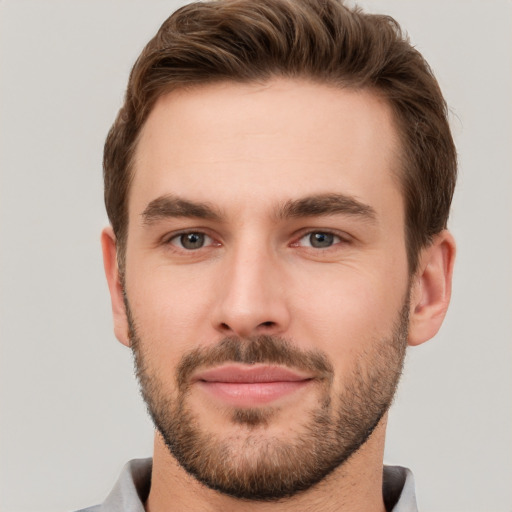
[191, 241]
[319, 239]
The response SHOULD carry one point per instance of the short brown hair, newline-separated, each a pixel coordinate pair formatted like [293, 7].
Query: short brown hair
[321, 40]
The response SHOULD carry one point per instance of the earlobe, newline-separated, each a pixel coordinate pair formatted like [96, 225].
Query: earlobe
[110, 264]
[431, 288]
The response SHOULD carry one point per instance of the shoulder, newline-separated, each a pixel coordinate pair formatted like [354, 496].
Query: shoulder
[130, 490]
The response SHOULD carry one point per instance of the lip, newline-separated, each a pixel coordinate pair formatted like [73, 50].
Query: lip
[246, 386]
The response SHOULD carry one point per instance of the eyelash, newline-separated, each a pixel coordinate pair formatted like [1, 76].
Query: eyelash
[334, 237]
[178, 236]
[337, 238]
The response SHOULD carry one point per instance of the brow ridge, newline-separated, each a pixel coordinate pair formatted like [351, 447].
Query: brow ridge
[326, 204]
[169, 206]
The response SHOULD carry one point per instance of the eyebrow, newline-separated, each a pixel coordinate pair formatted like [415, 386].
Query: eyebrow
[169, 206]
[326, 204]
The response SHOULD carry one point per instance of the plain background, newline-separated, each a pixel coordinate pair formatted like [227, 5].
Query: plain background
[70, 410]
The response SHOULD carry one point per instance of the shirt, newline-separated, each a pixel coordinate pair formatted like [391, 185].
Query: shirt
[132, 489]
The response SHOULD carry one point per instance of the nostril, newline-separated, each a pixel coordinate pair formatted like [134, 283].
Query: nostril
[243, 329]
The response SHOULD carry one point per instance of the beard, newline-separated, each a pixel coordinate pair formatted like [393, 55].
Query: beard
[251, 464]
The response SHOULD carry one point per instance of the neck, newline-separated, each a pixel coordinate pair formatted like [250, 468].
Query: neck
[356, 486]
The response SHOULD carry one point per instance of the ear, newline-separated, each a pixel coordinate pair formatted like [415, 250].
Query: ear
[431, 288]
[108, 245]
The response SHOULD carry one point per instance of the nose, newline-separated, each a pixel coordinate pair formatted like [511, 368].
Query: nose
[251, 298]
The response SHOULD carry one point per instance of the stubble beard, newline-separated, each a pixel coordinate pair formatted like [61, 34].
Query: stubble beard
[250, 464]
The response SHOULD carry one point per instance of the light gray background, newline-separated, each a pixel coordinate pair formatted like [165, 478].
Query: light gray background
[70, 410]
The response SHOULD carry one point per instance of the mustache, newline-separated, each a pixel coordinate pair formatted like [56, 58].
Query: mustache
[258, 349]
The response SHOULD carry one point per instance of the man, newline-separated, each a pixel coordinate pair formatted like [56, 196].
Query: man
[278, 182]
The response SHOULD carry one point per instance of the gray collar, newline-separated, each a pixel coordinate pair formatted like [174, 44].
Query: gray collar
[132, 489]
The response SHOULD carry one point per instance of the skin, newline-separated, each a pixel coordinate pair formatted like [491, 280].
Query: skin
[247, 150]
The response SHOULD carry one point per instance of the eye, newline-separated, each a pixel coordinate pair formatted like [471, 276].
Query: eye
[191, 241]
[319, 240]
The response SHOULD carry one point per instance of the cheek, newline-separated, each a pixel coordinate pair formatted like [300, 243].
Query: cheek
[168, 314]
[349, 313]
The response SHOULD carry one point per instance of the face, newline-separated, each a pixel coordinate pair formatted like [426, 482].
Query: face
[266, 279]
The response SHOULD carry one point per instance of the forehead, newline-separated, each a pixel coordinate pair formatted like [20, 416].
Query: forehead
[232, 143]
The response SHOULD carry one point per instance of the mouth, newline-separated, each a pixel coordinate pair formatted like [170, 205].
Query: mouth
[249, 386]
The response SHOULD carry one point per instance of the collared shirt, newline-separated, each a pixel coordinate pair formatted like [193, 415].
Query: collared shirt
[132, 489]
